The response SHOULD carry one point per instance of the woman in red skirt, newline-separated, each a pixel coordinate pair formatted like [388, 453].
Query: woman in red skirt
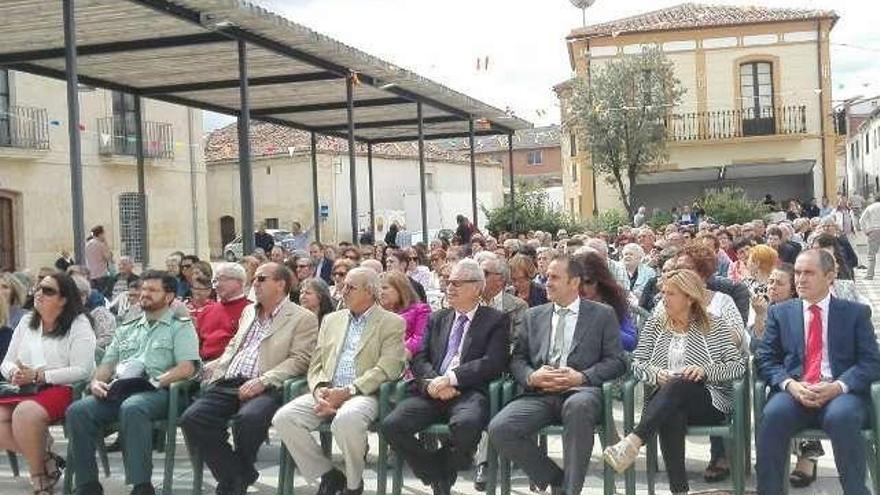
[51, 349]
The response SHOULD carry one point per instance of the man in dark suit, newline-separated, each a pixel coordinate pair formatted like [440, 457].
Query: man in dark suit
[819, 356]
[464, 349]
[566, 350]
[323, 265]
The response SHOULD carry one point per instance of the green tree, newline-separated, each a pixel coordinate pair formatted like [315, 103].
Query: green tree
[729, 205]
[619, 115]
[533, 211]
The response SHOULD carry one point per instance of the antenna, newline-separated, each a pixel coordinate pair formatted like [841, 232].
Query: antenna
[583, 5]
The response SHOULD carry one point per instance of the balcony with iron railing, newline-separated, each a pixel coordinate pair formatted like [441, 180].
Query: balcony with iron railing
[116, 136]
[731, 124]
[24, 128]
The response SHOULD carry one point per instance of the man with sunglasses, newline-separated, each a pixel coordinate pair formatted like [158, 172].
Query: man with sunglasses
[274, 342]
[148, 353]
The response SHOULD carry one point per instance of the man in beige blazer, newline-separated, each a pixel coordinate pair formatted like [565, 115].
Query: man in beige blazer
[358, 349]
[274, 342]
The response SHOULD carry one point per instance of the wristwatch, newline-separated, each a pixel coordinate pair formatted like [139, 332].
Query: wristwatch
[352, 390]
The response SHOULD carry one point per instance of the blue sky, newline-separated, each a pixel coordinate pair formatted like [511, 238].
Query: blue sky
[524, 41]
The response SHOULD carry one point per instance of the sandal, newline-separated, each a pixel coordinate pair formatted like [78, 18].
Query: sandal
[715, 473]
[42, 484]
[54, 464]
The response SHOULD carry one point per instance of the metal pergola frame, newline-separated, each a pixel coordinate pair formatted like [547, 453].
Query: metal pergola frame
[209, 23]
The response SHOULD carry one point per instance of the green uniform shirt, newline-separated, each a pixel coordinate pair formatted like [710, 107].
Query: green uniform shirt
[159, 345]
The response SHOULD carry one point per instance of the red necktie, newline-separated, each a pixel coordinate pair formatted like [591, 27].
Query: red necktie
[813, 357]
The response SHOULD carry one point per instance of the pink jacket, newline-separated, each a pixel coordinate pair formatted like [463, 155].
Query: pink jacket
[416, 317]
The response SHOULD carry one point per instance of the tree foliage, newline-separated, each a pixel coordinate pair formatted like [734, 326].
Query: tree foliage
[729, 205]
[619, 116]
[533, 212]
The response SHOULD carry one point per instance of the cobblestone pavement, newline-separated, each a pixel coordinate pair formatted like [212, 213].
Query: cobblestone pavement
[697, 458]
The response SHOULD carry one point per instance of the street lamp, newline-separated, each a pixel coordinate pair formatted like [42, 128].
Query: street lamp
[583, 5]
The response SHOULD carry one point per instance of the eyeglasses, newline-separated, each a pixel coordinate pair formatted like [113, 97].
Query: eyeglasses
[47, 291]
[487, 273]
[186, 265]
[458, 283]
[339, 274]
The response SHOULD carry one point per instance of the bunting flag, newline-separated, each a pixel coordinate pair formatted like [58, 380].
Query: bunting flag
[105, 139]
[290, 151]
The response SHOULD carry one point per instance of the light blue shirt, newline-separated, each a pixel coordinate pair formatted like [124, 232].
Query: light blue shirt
[345, 367]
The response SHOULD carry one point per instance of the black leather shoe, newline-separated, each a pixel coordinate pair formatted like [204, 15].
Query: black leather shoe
[233, 486]
[357, 491]
[143, 489]
[93, 488]
[332, 483]
[480, 477]
[443, 484]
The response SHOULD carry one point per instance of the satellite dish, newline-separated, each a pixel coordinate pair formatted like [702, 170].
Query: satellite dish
[582, 4]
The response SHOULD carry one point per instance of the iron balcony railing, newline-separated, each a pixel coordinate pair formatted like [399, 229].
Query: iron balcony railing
[24, 127]
[116, 136]
[728, 124]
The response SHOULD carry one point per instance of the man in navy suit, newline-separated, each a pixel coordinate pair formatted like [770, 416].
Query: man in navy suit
[323, 265]
[819, 356]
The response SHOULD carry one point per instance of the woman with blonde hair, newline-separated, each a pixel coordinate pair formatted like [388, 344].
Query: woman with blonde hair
[687, 354]
[15, 294]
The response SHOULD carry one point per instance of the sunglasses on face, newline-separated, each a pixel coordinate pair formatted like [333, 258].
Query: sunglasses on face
[186, 265]
[339, 274]
[47, 291]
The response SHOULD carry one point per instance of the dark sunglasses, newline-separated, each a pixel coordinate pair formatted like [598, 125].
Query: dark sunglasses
[339, 274]
[47, 291]
[186, 265]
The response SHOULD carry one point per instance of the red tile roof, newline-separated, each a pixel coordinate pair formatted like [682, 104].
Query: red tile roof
[693, 15]
[272, 140]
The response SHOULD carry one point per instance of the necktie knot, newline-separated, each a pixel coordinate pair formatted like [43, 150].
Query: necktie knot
[562, 312]
[815, 310]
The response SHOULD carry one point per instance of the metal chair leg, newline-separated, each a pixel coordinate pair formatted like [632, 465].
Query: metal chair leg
[13, 462]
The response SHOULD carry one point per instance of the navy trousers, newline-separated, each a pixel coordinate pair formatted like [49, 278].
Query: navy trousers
[842, 419]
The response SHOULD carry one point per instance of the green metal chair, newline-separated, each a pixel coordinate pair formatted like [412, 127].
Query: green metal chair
[442, 429]
[286, 470]
[871, 435]
[178, 397]
[736, 433]
[198, 463]
[510, 391]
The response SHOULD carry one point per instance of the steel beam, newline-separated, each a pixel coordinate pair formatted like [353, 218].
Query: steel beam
[141, 181]
[379, 124]
[372, 203]
[512, 189]
[233, 83]
[336, 105]
[244, 155]
[315, 200]
[352, 164]
[423, 197]
[445, 135]
[473, 159]
[73, 132]
[116, 47]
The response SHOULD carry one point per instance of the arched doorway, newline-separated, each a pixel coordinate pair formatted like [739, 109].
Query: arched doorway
[227, 230]
[7, 235]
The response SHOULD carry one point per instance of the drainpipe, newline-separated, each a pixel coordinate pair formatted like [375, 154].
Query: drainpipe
[193, 191]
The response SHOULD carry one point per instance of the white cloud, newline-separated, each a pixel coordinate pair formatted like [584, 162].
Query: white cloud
[525, 41]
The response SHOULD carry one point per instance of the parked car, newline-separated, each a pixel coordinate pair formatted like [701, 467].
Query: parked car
[234, 250]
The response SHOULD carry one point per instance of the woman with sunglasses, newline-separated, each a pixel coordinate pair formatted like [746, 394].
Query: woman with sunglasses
[341, 267]
[52, 348]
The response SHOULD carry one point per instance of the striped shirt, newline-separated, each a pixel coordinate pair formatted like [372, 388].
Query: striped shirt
[246, 362]
[714, 351]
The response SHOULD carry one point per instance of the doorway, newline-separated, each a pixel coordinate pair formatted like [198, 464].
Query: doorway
[7, 235]
[227, 230]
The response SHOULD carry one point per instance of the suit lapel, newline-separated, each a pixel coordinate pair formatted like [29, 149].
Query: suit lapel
[466, 344]
[797, 323]
[278, 321]
[369, 331]
[580, 328]
[543, 321]
[835, 313]
[443, 339]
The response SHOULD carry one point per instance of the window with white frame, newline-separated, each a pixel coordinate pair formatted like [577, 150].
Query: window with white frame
[536, 157]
